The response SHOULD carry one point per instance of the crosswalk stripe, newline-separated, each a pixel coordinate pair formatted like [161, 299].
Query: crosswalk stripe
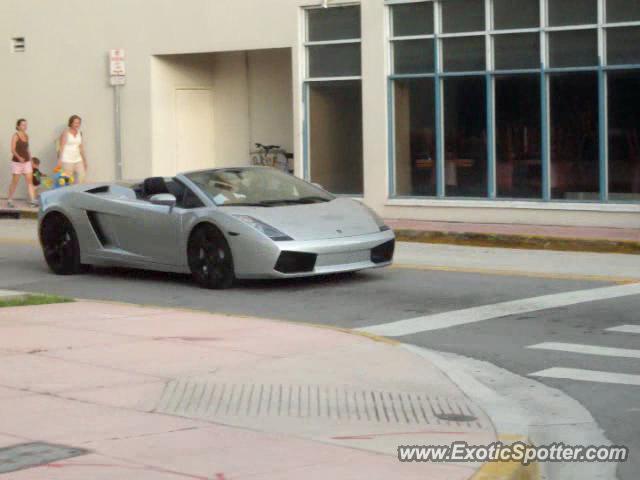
[587, 349]
[625, 329]
[478, 314]
[588, 376]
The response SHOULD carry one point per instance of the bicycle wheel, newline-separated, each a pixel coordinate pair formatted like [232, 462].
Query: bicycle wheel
[270, 159]
[281, 162]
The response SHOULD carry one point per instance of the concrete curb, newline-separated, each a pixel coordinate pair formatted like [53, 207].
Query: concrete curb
[8, 295]
[508, 471]
[528, 242]
[507, 419]
[17, 213]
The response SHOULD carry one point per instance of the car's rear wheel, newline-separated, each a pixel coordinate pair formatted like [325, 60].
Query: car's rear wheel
[60, 244]
[210, 258]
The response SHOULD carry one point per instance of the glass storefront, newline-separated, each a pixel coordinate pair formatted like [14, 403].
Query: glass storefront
[522, 99]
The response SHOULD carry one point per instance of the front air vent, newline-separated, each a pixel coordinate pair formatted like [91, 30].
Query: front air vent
[296, 262]
[383, 253]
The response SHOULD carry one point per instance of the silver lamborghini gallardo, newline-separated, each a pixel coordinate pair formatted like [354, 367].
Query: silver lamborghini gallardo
[218, 225]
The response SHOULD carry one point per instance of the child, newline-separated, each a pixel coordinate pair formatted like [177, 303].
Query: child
[37, 174]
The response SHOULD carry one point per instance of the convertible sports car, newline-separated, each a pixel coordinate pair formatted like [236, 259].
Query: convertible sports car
[218, 225]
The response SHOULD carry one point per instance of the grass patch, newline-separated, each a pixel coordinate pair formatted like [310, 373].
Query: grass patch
[29, 300]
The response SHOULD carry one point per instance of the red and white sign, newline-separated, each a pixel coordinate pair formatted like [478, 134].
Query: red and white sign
[116, 63]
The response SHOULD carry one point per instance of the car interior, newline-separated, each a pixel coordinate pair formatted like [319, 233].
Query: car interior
[185, 198]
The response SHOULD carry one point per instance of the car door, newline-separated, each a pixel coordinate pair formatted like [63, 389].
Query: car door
[145, 231]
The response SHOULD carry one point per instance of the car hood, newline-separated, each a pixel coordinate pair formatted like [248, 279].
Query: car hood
[341, 217]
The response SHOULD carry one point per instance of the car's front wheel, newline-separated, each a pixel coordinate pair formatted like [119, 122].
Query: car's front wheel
[210, 259]
[60, 244]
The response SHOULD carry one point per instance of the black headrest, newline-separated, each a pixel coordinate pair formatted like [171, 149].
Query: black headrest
[154, 186]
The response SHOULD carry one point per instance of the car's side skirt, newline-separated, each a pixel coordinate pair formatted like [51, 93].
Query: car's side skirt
[101, 261]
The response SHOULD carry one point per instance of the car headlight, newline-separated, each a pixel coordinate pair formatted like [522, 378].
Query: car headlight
[378, 219]
[264, 228]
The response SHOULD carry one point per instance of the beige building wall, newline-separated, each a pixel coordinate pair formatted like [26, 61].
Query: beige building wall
[251, 102]
[64, 71]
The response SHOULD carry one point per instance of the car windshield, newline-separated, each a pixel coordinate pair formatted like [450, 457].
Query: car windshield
[257, 186]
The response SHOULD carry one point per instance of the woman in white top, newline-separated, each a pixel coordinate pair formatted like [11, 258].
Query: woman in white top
[71, 156]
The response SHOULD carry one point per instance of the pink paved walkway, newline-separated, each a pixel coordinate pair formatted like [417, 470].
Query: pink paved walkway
[584, 233]
[171, 394]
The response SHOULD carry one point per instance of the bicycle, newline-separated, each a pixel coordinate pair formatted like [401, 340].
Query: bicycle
[272, 156]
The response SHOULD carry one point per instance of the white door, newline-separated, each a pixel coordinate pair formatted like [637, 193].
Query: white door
[195, 135]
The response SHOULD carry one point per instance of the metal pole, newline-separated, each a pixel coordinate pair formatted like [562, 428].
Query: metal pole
[116, 92]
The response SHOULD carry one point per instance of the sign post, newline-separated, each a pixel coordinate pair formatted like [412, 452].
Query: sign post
[118, 77]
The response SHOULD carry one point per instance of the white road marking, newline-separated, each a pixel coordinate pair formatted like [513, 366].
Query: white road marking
[497, 310]
[625, 329]
[588, 349]
[589, 376]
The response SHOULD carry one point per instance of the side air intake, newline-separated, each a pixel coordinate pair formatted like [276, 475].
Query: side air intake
[97, 229]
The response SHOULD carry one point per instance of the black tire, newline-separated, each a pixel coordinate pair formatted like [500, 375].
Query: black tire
[60, 245]
[210, 259]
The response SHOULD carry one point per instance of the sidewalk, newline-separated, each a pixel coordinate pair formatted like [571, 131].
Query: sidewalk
[149, 393]
[22, 209]
[537, 237]
[534, 237]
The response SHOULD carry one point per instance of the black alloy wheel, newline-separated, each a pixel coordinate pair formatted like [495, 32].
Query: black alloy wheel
[60, 245]
[210, 258]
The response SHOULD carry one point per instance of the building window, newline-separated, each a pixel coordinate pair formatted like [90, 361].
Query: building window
[333, 93]
[574, 136]
[334, 60]
[573, 48]
[518, 140]
[528, 14]
[525, 99]
[463, 16]
[465, 136]
[414, 56]
[462, 54]
[624, 135]
[572, 12]
[517, 51]
[335, 119]
[413, 19]
[327, 24]
[623, 45]
[623, 11]
[415, 137]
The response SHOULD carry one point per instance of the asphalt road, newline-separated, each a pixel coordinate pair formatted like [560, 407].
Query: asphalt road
[382, 296]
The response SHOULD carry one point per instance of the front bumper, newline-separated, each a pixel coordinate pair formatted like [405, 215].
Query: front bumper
[321, 257]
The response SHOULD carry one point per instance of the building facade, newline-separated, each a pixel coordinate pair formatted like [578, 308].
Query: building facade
[523, 111]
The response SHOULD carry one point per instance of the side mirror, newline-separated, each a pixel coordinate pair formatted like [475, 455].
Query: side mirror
[165, 199]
